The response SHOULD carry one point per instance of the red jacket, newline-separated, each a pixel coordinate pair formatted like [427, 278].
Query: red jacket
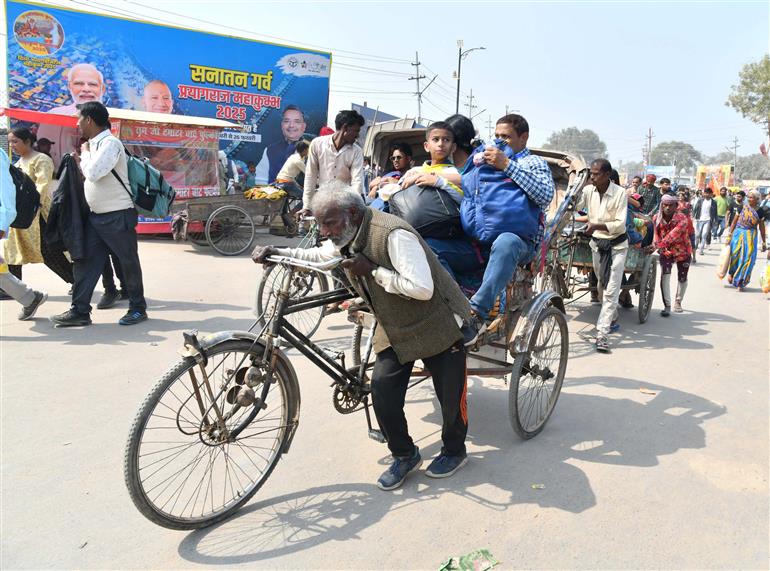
[672, 238]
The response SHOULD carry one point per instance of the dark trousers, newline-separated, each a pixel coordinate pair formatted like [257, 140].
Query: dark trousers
[108, 277]
[53, 258]
[109, 232]
[390, 380]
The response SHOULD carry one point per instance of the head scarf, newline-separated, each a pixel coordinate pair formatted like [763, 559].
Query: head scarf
[651, 178]
[668, 199]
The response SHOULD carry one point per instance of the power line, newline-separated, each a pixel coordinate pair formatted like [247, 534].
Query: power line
[143, 16]
[371, 91]
[379, 58]
[370, 69]
[444, 111]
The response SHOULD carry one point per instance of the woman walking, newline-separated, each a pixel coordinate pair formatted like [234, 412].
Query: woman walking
[743, 241]
[26, 246]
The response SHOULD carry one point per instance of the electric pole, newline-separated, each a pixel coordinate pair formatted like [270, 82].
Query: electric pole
[650, 135]
[489, 127]
[417, 77]
[470, 104]
[734, 150]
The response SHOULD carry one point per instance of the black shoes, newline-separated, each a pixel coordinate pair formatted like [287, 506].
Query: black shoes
[71, 318]
[472, 330]
[108, 299]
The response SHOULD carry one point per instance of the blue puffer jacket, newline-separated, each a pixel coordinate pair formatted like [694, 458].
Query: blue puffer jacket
[494, 204]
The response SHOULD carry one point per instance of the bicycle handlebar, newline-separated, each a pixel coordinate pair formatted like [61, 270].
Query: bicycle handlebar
[296, 262]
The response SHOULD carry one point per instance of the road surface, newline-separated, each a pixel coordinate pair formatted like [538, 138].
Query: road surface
[656, 455]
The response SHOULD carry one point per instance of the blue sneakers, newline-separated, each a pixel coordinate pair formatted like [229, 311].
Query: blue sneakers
[132, 317]
[394, 476]
[444, 466]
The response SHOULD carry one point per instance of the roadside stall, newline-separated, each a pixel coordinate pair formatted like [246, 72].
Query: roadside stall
[183, 148]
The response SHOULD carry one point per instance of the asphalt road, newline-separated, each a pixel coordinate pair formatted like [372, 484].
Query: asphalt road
[656, 455]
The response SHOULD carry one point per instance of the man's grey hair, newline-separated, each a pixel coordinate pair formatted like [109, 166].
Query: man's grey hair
[337, 194]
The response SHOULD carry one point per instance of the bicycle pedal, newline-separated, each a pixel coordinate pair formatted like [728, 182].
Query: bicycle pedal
[377, 435]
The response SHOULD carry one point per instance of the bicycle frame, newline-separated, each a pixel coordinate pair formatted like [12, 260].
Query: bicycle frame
[332, 364]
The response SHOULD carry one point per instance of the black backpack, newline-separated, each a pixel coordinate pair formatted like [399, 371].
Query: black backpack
[27, 199]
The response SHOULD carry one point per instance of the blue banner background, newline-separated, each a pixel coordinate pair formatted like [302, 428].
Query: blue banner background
[130, 54]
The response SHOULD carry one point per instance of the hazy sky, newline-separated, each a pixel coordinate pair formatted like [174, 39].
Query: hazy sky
[615, 67]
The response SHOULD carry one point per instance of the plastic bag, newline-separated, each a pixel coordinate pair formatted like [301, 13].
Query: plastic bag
[724, 261]
[764, 279]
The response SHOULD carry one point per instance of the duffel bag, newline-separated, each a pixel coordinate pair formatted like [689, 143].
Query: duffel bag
[429, 210]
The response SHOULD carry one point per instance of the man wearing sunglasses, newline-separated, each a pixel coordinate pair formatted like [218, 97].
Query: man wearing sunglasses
[401, 159]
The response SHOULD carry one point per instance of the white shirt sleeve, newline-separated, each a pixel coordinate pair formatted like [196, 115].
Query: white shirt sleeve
[263, 170]
[357, 172]
[323, 253]
[98, 163]
[411, 276]
[311, 173]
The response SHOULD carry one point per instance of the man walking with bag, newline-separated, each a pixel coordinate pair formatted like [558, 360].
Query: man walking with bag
[111, 225]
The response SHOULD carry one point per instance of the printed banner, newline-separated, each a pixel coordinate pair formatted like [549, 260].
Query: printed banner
[714, 176]
[187, 156]
[58, 58]
[660, 171]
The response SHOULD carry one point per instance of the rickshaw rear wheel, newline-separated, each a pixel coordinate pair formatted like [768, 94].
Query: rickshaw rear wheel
[647, 287]
[230, 230]
[538, 374]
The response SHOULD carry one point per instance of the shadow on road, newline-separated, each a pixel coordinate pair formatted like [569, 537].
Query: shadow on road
[675, 332]
[105, 329]
[632, 428]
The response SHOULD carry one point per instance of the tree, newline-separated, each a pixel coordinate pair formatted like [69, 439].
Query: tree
[754, 167]
[723, 158]
[632, 168]
[583, 142]
[684, 155]
[751, 97]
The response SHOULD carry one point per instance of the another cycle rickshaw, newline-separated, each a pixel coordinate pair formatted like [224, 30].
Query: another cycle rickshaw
[569, 262]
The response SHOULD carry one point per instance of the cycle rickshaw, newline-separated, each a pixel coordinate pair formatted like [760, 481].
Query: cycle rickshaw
[569, 262]
[214, 427]
[228, 223]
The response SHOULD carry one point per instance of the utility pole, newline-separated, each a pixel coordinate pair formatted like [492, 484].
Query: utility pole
[489, 127]
[734, 150]
[650, 135]
[470, 104]
[417, 77]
